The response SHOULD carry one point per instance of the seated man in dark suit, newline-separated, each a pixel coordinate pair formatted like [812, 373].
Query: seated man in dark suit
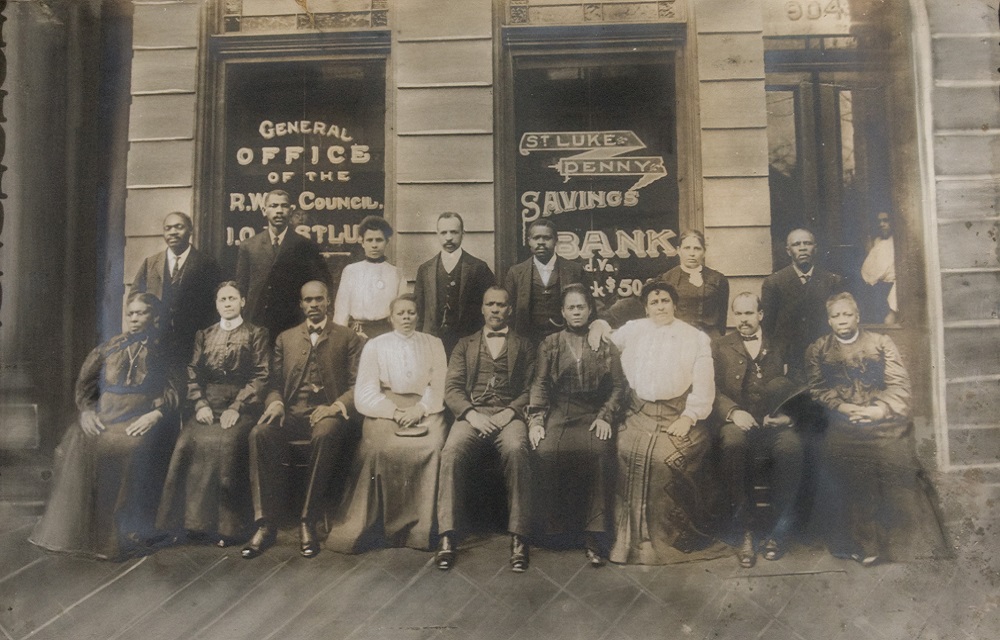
[536, 284]
[273, 265]
[184, 279]
[793, 300]
[489, 377]
[311, 396]
[750, 384]
[450, 286]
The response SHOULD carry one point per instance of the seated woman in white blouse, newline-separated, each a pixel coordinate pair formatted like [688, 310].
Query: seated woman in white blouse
[367, 287]
[400, 391]
[661, 507]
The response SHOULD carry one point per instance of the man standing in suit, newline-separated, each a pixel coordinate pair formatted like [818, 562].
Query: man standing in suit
[536, 284]
[184, 280]
[793, 300]
[750, 385]
[489, 377]
[272, 266]
[311, 397]
[450, 286]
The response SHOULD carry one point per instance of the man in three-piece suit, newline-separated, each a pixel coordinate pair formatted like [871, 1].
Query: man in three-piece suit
[794, 300]
[450, 286]
[184, 279]
[311, 396]
[750, 386]
[489, 377]
[536, 284]
[273, 265]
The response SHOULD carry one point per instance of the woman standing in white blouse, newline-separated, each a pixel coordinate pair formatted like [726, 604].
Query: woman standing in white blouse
[662, 445]
[400, 391]
[368, 287]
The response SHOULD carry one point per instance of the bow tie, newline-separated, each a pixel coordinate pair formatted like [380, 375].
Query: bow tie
[752, 338]
[315, 329]
[496, 334]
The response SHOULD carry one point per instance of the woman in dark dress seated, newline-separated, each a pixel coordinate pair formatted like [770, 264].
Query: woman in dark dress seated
[109, 468]
[207, 492]
[875, 502]
[574, 402]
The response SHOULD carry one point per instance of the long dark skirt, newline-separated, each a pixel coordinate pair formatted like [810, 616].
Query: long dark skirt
[661, 508]
[574, 485]
[391, 494]
[106, 488]
[875, 499]
[208, 484]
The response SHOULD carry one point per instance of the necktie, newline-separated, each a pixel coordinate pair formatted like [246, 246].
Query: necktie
[495, 334]
[752, 338]
[805, 279]
[175, 272]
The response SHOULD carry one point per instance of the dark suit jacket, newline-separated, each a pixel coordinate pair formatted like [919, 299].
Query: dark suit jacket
[731, 358]
[463, 369]
[191, 305]
[475, 277]
[337, 352]
[795, 313]
[518, 283]
[272, 283]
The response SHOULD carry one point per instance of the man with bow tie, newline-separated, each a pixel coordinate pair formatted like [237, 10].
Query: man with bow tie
[489, 376]
[273, 265]
[184, 279]
[751, 385]
[311, 397]
[793, 300]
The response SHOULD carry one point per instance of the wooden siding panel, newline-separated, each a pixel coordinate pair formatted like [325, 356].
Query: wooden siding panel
[966, 108]
[444, 157]
[729, 56]
[466, 108]
[974, 446]
[422, 18]
[145, 209]
[440, 62]
[968, 199]
[164, 70]
[966, 155]
[162, 116]
[418, 205]
[969, 244]
[736, 201]
[733, 104]
[166, 25]
[974, 402]
[966, 58]
[734, 152]
[961, 16]
[971, 296]
[739, 251]
[972, 352]
[728, 15]
[161, 163]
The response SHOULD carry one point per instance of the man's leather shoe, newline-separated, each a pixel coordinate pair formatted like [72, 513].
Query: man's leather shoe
[310, 543]
[262, 540]
[445, 556]
[773, 550]
[594, 558]
[518, 554]
[746, 554]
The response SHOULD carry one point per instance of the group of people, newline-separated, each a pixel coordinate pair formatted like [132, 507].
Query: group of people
[606, 425]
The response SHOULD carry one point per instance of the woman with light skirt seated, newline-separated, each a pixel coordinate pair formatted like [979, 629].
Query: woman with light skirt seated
[207, 492]
[661, 506]
[400, 391]
[110, 466]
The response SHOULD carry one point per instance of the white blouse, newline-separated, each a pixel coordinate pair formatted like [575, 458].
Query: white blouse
[366, 289]
[662, 362]
[403, 365]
